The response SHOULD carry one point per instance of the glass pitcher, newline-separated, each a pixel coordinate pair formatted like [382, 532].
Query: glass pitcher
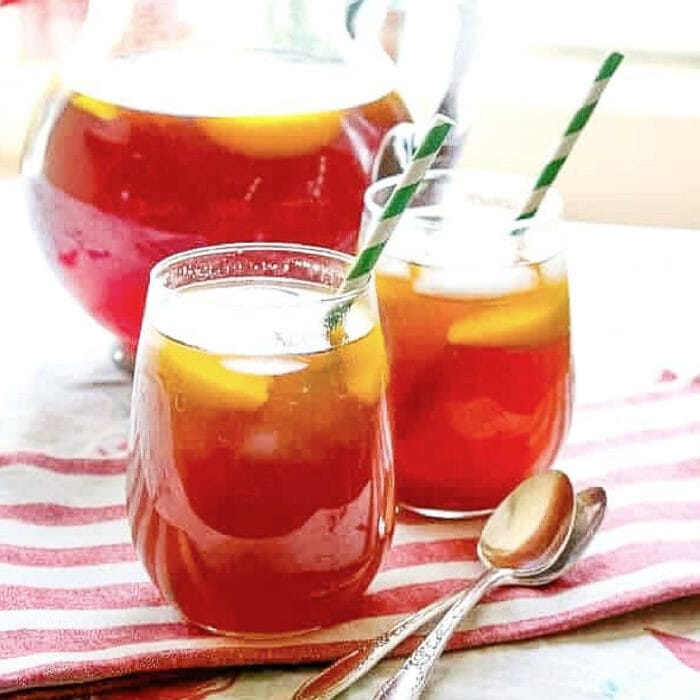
[174, 124]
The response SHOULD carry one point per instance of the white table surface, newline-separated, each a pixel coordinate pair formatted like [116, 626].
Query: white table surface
[635, 294]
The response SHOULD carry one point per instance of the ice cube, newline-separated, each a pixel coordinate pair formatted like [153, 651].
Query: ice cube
[264, 366]
[393, 267]
[470, 283]
[554, 269]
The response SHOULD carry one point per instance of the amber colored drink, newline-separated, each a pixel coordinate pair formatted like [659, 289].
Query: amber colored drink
[144, 157]
[260, 486]
[480, 381]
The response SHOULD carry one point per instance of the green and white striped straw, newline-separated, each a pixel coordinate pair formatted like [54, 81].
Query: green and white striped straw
[568, 141]
[401, 197]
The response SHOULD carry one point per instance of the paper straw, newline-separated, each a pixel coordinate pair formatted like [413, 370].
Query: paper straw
[568, 141]
[401, 197]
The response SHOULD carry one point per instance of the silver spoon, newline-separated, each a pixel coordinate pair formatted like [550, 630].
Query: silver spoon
[590, 509]
[523, 536]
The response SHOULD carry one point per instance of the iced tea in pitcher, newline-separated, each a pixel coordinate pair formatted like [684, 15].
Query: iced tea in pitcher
[175, 124]
[131, 165]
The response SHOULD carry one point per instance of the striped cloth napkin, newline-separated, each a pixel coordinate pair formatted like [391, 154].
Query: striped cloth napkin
[77, 606]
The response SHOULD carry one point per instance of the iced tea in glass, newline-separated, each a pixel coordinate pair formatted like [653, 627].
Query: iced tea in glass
[260, 483]
[477, 327]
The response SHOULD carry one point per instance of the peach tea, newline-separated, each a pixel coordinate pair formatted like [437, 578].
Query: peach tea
[480, 371]
[260, 490]
[143, 156]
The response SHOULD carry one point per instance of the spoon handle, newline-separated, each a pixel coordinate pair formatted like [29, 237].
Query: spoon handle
[410, 680]
[345, 671]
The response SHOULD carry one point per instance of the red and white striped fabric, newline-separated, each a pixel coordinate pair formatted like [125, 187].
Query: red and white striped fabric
[75, 605]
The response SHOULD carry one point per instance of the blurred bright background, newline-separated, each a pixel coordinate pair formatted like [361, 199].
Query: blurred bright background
[635, 163]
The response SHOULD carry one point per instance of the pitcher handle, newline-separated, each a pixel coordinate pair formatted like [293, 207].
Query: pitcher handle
[395, 151]
[437, 78]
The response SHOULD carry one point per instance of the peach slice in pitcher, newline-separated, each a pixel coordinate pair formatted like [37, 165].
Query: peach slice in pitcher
[274, 136]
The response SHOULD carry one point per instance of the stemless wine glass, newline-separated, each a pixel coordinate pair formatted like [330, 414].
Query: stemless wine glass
[260, 484]
[477, 327]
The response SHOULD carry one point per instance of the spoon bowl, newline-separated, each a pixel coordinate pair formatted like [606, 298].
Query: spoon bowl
[531, 526]
[591, 504]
